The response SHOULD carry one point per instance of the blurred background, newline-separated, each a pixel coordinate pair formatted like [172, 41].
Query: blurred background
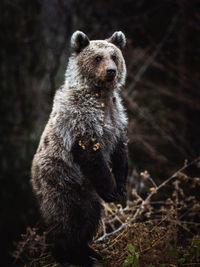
[162, 93]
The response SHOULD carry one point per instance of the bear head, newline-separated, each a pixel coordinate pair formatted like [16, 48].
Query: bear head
[100, 62]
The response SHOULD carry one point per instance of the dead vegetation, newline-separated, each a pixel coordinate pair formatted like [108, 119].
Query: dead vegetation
[161, 228]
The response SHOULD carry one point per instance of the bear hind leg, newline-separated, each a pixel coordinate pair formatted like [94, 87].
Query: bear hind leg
[70, 253]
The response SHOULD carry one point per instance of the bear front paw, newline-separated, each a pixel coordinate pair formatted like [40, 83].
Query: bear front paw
[121, 190]
[112, 197]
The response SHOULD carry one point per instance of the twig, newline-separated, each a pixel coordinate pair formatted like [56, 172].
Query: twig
[153, 182]
[150, 59]
[146, 201]
[111, 233]
[175, 175]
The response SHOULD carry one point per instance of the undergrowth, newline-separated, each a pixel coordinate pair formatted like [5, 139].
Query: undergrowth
[160, 229]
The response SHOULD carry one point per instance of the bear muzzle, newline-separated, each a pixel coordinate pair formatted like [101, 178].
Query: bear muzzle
[110, 73]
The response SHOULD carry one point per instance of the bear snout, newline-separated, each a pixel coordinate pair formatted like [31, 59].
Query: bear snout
[111, 72]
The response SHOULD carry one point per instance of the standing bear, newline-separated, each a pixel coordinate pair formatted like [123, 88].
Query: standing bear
[82, 154]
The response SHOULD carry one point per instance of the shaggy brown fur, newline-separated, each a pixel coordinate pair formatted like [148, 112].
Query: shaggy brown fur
[84, 138]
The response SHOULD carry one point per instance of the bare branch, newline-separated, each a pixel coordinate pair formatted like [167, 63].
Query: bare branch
[151, 58]
[146, 201]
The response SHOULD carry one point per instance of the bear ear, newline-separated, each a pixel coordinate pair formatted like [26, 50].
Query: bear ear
[118, 39]
[79, 41]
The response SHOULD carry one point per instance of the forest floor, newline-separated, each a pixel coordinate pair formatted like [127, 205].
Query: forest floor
[160, 229]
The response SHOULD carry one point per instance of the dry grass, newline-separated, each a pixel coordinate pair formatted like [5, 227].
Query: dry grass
[160, 229]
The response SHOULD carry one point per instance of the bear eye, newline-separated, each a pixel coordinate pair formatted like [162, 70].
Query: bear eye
[114, 58]
[98, 58]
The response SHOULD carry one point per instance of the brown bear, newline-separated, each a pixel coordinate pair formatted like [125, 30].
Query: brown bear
[82, 154]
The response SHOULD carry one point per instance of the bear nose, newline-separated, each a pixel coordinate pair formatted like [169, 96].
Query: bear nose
[111, 71]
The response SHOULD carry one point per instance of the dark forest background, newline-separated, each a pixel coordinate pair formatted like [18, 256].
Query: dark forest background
[162, 93]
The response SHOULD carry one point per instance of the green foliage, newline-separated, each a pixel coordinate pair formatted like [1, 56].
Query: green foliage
[113, 207]
[132, 259]
[171, 252]
[188, 255]
[195, 248]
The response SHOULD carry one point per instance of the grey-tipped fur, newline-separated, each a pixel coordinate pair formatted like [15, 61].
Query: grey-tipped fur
[118, 39]
[87, 107]
[79, 41]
